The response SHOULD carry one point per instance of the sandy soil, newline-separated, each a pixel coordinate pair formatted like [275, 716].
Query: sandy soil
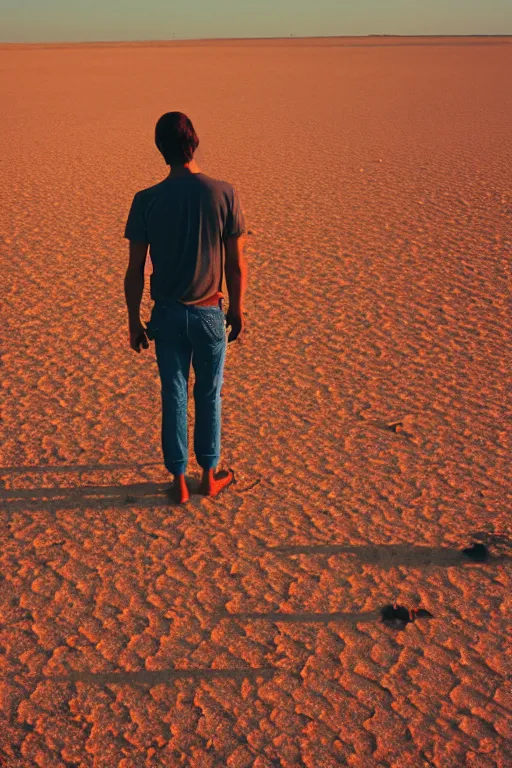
[375, 178]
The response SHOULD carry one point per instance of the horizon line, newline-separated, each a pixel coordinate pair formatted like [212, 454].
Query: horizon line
[215, 39]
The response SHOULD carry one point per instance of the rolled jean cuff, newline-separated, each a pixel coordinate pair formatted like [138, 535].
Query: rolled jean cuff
[208, 462]
[176, 467]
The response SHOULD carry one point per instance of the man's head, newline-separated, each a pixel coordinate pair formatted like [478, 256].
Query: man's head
[176, 138]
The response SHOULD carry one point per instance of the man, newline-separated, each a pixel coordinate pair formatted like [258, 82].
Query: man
[188, 220]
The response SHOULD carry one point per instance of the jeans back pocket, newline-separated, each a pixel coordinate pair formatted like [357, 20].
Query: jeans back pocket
[213, 323]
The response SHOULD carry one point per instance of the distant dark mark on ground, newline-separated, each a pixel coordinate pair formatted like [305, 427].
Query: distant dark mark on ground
[390, 426]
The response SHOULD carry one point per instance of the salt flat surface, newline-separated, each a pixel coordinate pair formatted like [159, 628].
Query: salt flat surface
[375, 179]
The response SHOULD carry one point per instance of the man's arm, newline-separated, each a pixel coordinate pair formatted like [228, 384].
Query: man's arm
[236, 281]
[134, 282]
[133, 290]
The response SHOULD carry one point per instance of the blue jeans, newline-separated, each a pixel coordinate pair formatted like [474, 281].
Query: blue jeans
[185, 334]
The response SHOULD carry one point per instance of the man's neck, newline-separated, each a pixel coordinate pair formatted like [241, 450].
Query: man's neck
[185, 170]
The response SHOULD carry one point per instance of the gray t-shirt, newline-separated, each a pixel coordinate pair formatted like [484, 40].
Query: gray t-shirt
[185, 220]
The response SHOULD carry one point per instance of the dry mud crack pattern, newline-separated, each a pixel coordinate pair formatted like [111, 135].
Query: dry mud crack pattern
[165, 636]
[365, 415]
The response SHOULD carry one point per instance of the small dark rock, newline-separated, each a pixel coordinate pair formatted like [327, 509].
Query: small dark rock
[477, 552]
[395, 616]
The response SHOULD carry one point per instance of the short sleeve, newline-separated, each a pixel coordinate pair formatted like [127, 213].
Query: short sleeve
[235, 222]
[135, 229]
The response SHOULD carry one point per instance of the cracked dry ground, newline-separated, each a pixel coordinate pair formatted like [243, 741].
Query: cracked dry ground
[245, 631]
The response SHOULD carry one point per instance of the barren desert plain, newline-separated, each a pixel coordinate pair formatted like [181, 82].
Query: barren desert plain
[366, 412]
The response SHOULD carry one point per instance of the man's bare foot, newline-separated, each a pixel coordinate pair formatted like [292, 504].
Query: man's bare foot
[213, 482]
[179, 490]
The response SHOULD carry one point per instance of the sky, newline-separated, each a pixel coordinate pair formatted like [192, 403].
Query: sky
[115, 20]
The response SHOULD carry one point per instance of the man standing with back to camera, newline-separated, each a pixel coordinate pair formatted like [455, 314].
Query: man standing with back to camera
[188, 220]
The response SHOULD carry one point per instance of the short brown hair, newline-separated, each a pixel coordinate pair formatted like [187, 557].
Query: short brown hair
[176, 138]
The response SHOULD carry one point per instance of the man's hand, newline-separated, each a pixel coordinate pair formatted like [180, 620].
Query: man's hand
[236, 321]
[138, 337]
